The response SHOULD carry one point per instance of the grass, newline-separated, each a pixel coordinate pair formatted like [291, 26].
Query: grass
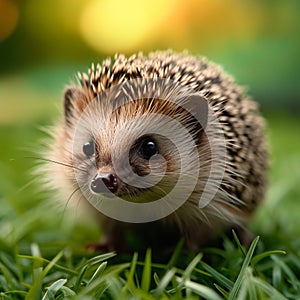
[70, 276]
[42, 254]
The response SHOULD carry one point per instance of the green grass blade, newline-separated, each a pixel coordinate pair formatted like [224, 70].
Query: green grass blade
[6, 274]
[192, 265]
[175, 254]
[67, 292]
[80, 278]
[146, 276]
[9, 265]
[276, 276]
[238, 243]
[233, 293]
[156, 278]
[53, 289]
[21, 293]
[34, 291]
[263, 255]
[163, 283]
[140, 294]
[46, 261]
[268, 289]
[287, 271]
[227, 283]
[98, 259]
[222, 291]
[130, 275]
[98, 272]
[201, 290]
[249, 285]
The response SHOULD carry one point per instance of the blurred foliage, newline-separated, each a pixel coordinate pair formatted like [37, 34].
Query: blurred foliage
[255, 40]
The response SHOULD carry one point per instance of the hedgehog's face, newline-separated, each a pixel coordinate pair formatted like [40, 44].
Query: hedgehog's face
[118, 153]
[139, 150]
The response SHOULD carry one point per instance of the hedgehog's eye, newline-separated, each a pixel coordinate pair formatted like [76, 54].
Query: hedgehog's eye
[89, 149]
[148, 148]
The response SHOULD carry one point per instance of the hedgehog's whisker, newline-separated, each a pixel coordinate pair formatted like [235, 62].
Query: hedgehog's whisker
[26, 185]
[71, 195]
[78, 202]
[57, 162]
[68, 200]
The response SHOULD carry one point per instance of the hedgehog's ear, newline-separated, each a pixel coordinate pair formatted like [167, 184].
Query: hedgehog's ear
[198, 106]
[68, 104]
[75, 102]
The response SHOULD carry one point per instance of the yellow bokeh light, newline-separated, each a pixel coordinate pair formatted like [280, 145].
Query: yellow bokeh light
[128, 26]
[9, 16]
[119, 25]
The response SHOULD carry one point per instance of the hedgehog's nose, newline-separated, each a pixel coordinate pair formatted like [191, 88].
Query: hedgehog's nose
[108, 179]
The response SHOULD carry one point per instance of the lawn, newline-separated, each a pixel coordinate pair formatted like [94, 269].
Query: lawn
[42, 254]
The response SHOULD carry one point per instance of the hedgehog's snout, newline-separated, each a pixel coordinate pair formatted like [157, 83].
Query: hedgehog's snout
[107, 179]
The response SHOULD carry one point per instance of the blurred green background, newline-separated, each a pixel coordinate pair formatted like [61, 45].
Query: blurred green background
[43, 44]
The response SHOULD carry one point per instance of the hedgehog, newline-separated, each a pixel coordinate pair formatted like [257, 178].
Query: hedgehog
[159, 148]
